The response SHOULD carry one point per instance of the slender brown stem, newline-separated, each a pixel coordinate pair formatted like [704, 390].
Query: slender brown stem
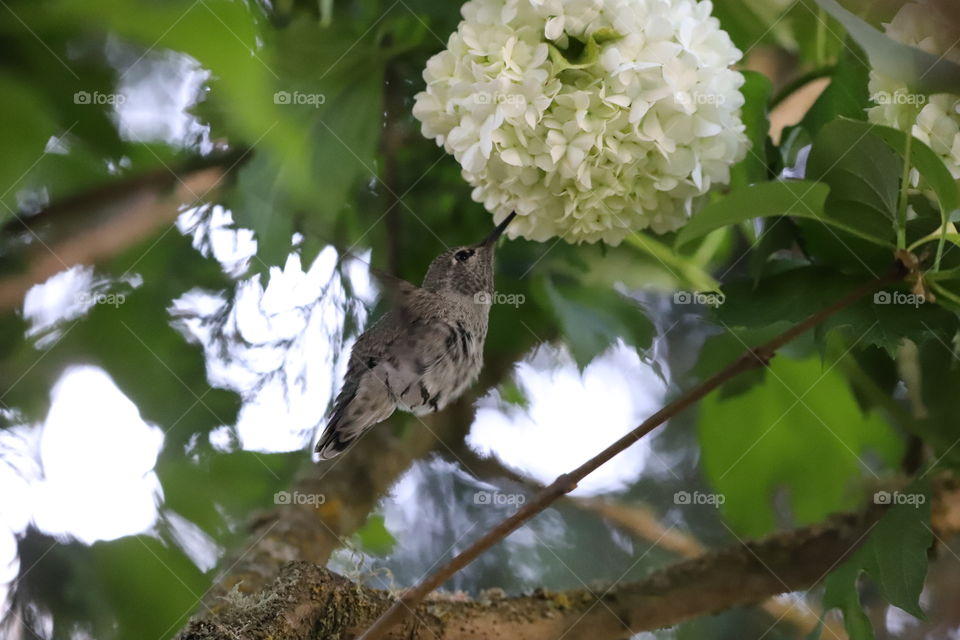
[751, 359]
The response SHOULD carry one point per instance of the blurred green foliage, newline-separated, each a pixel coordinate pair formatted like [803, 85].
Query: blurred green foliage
[316, 99]
[803, 412]
[894, 557]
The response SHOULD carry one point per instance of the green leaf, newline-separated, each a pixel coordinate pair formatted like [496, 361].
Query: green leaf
[922, 71]
[686, 272]
[439, 17]
[777, 198]
[782, 298]
[163, 575]
[259, 203]
[720, 350]
[335, 103]
[846, 96]
[344, 141]
[756, 92]
[819, 38]
[779, 233]
[922, 158]
[223, 36]
[911, 318]
[884, 320]
[374, 538]
[745, 26]
[511, 393]
[860, 169]
[863, 174]
[938, 367]
[592, 318]
[894, 556]
[792, 141]
[215, 490]
[44, 85]
[25, 127]
[760, 443]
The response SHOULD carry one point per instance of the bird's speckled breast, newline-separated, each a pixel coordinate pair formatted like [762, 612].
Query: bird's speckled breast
[444, 380]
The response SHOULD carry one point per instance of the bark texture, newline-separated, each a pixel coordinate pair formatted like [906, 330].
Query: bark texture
[307, 602]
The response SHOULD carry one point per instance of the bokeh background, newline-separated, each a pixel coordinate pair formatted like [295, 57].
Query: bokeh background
[191, 195]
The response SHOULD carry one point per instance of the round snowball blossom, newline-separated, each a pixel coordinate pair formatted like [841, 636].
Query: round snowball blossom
[589, 118]
[933, 26]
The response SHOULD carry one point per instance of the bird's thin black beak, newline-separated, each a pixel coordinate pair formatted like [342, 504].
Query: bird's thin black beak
[496, 233]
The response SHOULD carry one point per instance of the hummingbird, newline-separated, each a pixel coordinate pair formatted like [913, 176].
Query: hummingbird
[422, 353]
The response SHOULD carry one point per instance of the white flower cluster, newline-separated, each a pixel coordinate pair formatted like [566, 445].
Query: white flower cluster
[933, 26]
[589, 118]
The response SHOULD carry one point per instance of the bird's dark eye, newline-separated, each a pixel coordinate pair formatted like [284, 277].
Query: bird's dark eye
[463, 254]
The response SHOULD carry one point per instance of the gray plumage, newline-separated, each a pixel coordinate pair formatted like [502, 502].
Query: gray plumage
[424, 352]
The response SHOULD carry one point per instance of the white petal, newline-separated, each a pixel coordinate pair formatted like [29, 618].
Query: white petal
[553, 28]
[511, 157]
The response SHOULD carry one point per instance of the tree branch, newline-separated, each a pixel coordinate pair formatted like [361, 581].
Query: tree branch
[309, 602]
[105, 221]
[642, 523]
[751, 359]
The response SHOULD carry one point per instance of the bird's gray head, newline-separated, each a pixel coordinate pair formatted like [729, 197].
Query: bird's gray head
[466, 270]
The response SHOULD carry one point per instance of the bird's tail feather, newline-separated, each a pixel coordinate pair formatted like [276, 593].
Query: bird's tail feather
[330, 444]
[346, 425]
[337, 436]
